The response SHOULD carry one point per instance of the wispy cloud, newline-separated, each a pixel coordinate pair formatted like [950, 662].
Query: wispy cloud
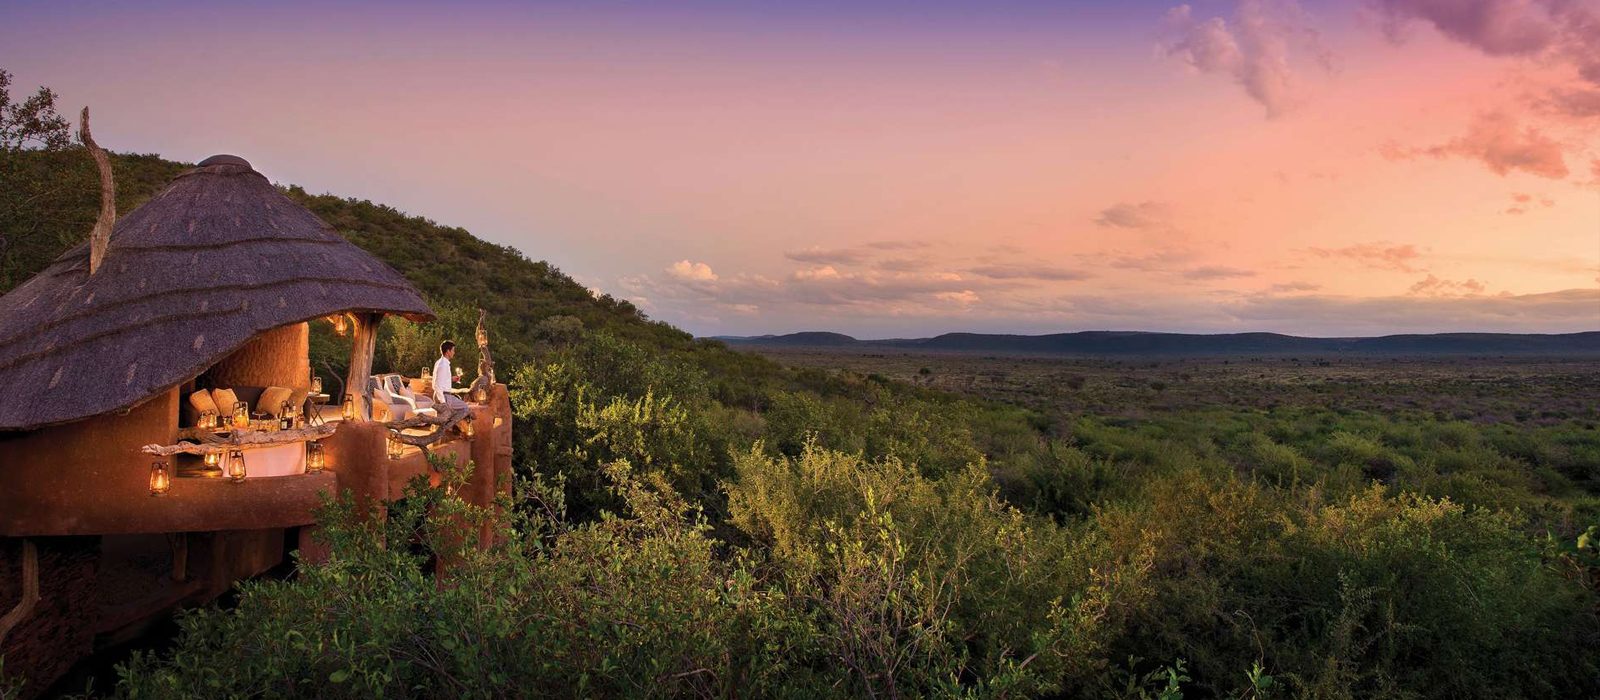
[822, 256]
[1435, 287]
[1497, 140]
[1216, 272]
[1521, 202]
[1382, 256]
[1286, 287]
[852, 255]
[1255, 49]
[1136, 215]
[1029, 272]
[1569, 310]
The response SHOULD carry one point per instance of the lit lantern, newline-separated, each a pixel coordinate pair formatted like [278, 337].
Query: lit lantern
[160, 478]
[466, 427]
[316, 461]
[241, 415]
[480, 395]
[316, 385]
[349, 411]
[236, 469]
[213, 461]
[396, 448]
[339, 324]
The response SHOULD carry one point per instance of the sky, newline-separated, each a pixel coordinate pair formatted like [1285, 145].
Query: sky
[912, 168]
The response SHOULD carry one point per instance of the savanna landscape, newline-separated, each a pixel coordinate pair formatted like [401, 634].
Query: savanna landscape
[712, 513]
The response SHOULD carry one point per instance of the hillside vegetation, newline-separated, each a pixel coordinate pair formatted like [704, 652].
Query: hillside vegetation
[694, 521]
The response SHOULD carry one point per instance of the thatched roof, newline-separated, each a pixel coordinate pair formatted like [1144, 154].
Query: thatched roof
[218, 257]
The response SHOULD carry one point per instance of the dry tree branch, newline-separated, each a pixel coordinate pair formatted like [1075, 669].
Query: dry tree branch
[100, 236]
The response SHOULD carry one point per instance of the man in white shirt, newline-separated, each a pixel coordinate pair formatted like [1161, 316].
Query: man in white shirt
[443, 392]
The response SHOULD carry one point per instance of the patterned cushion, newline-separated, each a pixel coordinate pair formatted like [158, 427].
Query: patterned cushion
[202, 403]
[272, 399]
[297, 399]
[225, 399]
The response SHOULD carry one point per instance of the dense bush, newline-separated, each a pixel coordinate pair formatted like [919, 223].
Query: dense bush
[696, 521]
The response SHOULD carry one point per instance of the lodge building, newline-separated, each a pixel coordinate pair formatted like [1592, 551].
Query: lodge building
[136, 372]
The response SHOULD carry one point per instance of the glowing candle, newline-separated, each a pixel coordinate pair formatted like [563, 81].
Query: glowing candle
[315, 461]
[160, 478]
[236, 468]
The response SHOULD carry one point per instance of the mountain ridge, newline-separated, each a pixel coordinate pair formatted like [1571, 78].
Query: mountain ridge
[1161, 343]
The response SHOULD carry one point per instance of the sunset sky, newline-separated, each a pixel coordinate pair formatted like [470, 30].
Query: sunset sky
[907, 169]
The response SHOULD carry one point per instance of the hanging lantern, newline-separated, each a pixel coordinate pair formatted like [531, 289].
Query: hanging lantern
[236, 469]
[396, 448]
[241, 415]
[315, 459]
[160, 478]
[349, 411]
[480, 395]
[339, 324]
[466, 427]
[213, 461]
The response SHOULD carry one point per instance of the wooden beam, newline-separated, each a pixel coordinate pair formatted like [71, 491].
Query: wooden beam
[442, 421]
[255, 438]
[364, 342]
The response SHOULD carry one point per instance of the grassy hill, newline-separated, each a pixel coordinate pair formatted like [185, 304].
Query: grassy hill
[55, 198]
[701, 522]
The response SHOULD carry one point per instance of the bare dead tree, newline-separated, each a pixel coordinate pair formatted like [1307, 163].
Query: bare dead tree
[100, 237]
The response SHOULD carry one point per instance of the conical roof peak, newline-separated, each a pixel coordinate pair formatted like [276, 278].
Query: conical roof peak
[218, 257]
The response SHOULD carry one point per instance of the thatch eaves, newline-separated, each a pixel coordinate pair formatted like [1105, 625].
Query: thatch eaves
[218, 257]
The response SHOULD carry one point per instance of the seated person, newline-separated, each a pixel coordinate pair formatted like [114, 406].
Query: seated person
[443, 393]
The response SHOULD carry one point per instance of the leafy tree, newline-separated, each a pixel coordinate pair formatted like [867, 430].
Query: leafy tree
[32, 122]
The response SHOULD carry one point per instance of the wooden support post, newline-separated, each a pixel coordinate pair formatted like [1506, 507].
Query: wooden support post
[180, 556]
[30, 590]
[363, 343]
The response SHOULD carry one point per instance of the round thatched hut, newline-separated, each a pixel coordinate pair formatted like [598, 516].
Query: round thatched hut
[209, 285]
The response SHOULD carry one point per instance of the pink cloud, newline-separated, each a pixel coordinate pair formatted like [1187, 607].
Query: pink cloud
[1255, 49]
[692, 271]
[1498, 141]
[1498, 27]
[1294, 287]
[1435, 287]
[1216, 272]
[820, 256]
[1376, 255]
[1522, 202]
[1029, 272]
[1135, 215]
[1576, 102]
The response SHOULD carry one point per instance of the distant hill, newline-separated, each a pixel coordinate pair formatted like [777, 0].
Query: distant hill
[1142, 343]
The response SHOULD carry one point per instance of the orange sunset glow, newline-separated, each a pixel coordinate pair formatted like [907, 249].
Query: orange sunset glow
[1316, 168]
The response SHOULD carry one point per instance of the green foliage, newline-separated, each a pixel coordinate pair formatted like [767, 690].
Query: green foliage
[696, 521]
[638, 606]
[31, 122]
[928, 586]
